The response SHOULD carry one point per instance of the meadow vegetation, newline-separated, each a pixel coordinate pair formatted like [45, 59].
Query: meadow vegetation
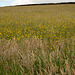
[37, 40]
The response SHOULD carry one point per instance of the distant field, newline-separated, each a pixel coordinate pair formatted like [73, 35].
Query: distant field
[37, 40]
[44, 21]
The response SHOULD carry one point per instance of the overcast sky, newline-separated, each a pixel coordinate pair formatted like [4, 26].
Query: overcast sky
[19, 2]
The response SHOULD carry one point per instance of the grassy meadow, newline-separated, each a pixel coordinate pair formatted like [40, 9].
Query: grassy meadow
[37, 40]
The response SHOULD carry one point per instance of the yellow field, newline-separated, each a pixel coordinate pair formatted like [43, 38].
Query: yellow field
[53, 21]
[37, 40]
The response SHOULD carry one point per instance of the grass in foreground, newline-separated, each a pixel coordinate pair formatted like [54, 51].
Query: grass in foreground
[37, 57]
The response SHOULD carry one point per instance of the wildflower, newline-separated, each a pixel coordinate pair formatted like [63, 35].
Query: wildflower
[0, 33]
[51, 48]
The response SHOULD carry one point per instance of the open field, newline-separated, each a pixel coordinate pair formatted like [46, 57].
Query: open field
[37, 40]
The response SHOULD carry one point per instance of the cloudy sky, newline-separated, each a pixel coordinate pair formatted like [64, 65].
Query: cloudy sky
[19, 2]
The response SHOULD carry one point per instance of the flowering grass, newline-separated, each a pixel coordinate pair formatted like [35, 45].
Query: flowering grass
[37, 40]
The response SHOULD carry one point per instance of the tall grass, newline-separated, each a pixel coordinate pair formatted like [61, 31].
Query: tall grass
[37, 57]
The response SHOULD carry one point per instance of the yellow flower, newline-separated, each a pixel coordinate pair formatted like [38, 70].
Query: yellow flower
[0, 33]
[51, 48]
[54, 35]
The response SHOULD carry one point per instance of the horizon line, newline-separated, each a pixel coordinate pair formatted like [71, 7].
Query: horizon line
[56, 3]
